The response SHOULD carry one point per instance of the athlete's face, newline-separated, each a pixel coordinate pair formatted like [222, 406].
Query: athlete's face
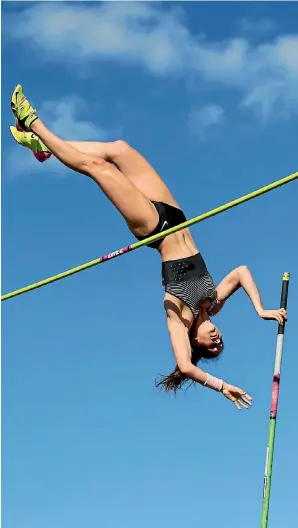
[208, 336]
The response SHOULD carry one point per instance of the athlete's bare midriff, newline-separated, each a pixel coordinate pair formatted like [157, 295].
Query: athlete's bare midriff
[178, 245]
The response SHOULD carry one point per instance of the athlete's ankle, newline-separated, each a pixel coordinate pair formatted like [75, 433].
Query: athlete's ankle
[35, 125]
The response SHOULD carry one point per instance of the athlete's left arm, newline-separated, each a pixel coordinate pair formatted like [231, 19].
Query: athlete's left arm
[241, 277]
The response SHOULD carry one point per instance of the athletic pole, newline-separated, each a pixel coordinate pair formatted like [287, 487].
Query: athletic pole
[274, 405]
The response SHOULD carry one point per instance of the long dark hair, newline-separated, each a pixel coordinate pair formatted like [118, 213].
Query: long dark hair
[176, 380]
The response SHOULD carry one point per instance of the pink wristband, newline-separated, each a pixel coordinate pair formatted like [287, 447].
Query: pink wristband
[213, 383]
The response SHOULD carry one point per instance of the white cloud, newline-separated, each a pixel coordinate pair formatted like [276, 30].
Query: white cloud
[157, 38]
[262, 25]
[201, 119]
[63, 119]
[18, 161]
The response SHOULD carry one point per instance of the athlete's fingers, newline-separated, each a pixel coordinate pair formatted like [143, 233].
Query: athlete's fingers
[282, 312]
[237, 404]
[243, 403]
[246, 398]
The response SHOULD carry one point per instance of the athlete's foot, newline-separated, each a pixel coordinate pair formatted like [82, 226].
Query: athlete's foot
[24, 113]
[31, 141]
[19, 128]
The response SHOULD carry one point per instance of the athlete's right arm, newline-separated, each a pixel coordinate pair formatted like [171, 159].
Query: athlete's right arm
[178, 331]
[180, 344]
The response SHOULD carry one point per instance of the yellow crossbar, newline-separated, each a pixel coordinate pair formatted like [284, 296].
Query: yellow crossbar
[148, 240]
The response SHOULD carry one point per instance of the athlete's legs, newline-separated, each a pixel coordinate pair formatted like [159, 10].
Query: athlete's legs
[132, 164]
[139, 213]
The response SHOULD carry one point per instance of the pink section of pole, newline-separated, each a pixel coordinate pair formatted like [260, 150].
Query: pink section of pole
[275, 394]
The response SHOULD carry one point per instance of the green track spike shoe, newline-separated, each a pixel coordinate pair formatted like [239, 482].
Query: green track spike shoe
[22, 109]
[31, 141]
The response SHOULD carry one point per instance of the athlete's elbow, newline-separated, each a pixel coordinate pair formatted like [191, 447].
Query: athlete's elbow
[243, 268]
[243, 272]
[186, 368]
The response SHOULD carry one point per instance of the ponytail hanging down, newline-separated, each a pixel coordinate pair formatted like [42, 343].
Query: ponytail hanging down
[176, 380]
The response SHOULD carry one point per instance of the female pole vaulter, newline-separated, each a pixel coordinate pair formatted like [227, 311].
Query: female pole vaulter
[148, 207]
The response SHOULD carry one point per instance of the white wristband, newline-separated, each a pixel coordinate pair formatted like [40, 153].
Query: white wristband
[213, 383]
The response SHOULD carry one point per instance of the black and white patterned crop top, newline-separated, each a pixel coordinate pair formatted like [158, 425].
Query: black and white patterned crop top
[189, 280]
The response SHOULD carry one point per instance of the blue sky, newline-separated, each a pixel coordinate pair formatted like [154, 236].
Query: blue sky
[208, 92]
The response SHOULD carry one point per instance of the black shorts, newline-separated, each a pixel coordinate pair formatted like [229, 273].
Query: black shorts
[169, 216]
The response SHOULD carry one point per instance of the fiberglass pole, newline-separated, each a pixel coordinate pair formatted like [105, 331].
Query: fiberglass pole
[274, 405]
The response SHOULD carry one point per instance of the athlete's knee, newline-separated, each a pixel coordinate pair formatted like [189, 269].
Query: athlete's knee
[121, 148]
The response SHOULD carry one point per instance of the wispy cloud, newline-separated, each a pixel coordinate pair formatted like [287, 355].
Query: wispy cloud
[200, 120]
[263, 25]
[63, 117]
[157, 39]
